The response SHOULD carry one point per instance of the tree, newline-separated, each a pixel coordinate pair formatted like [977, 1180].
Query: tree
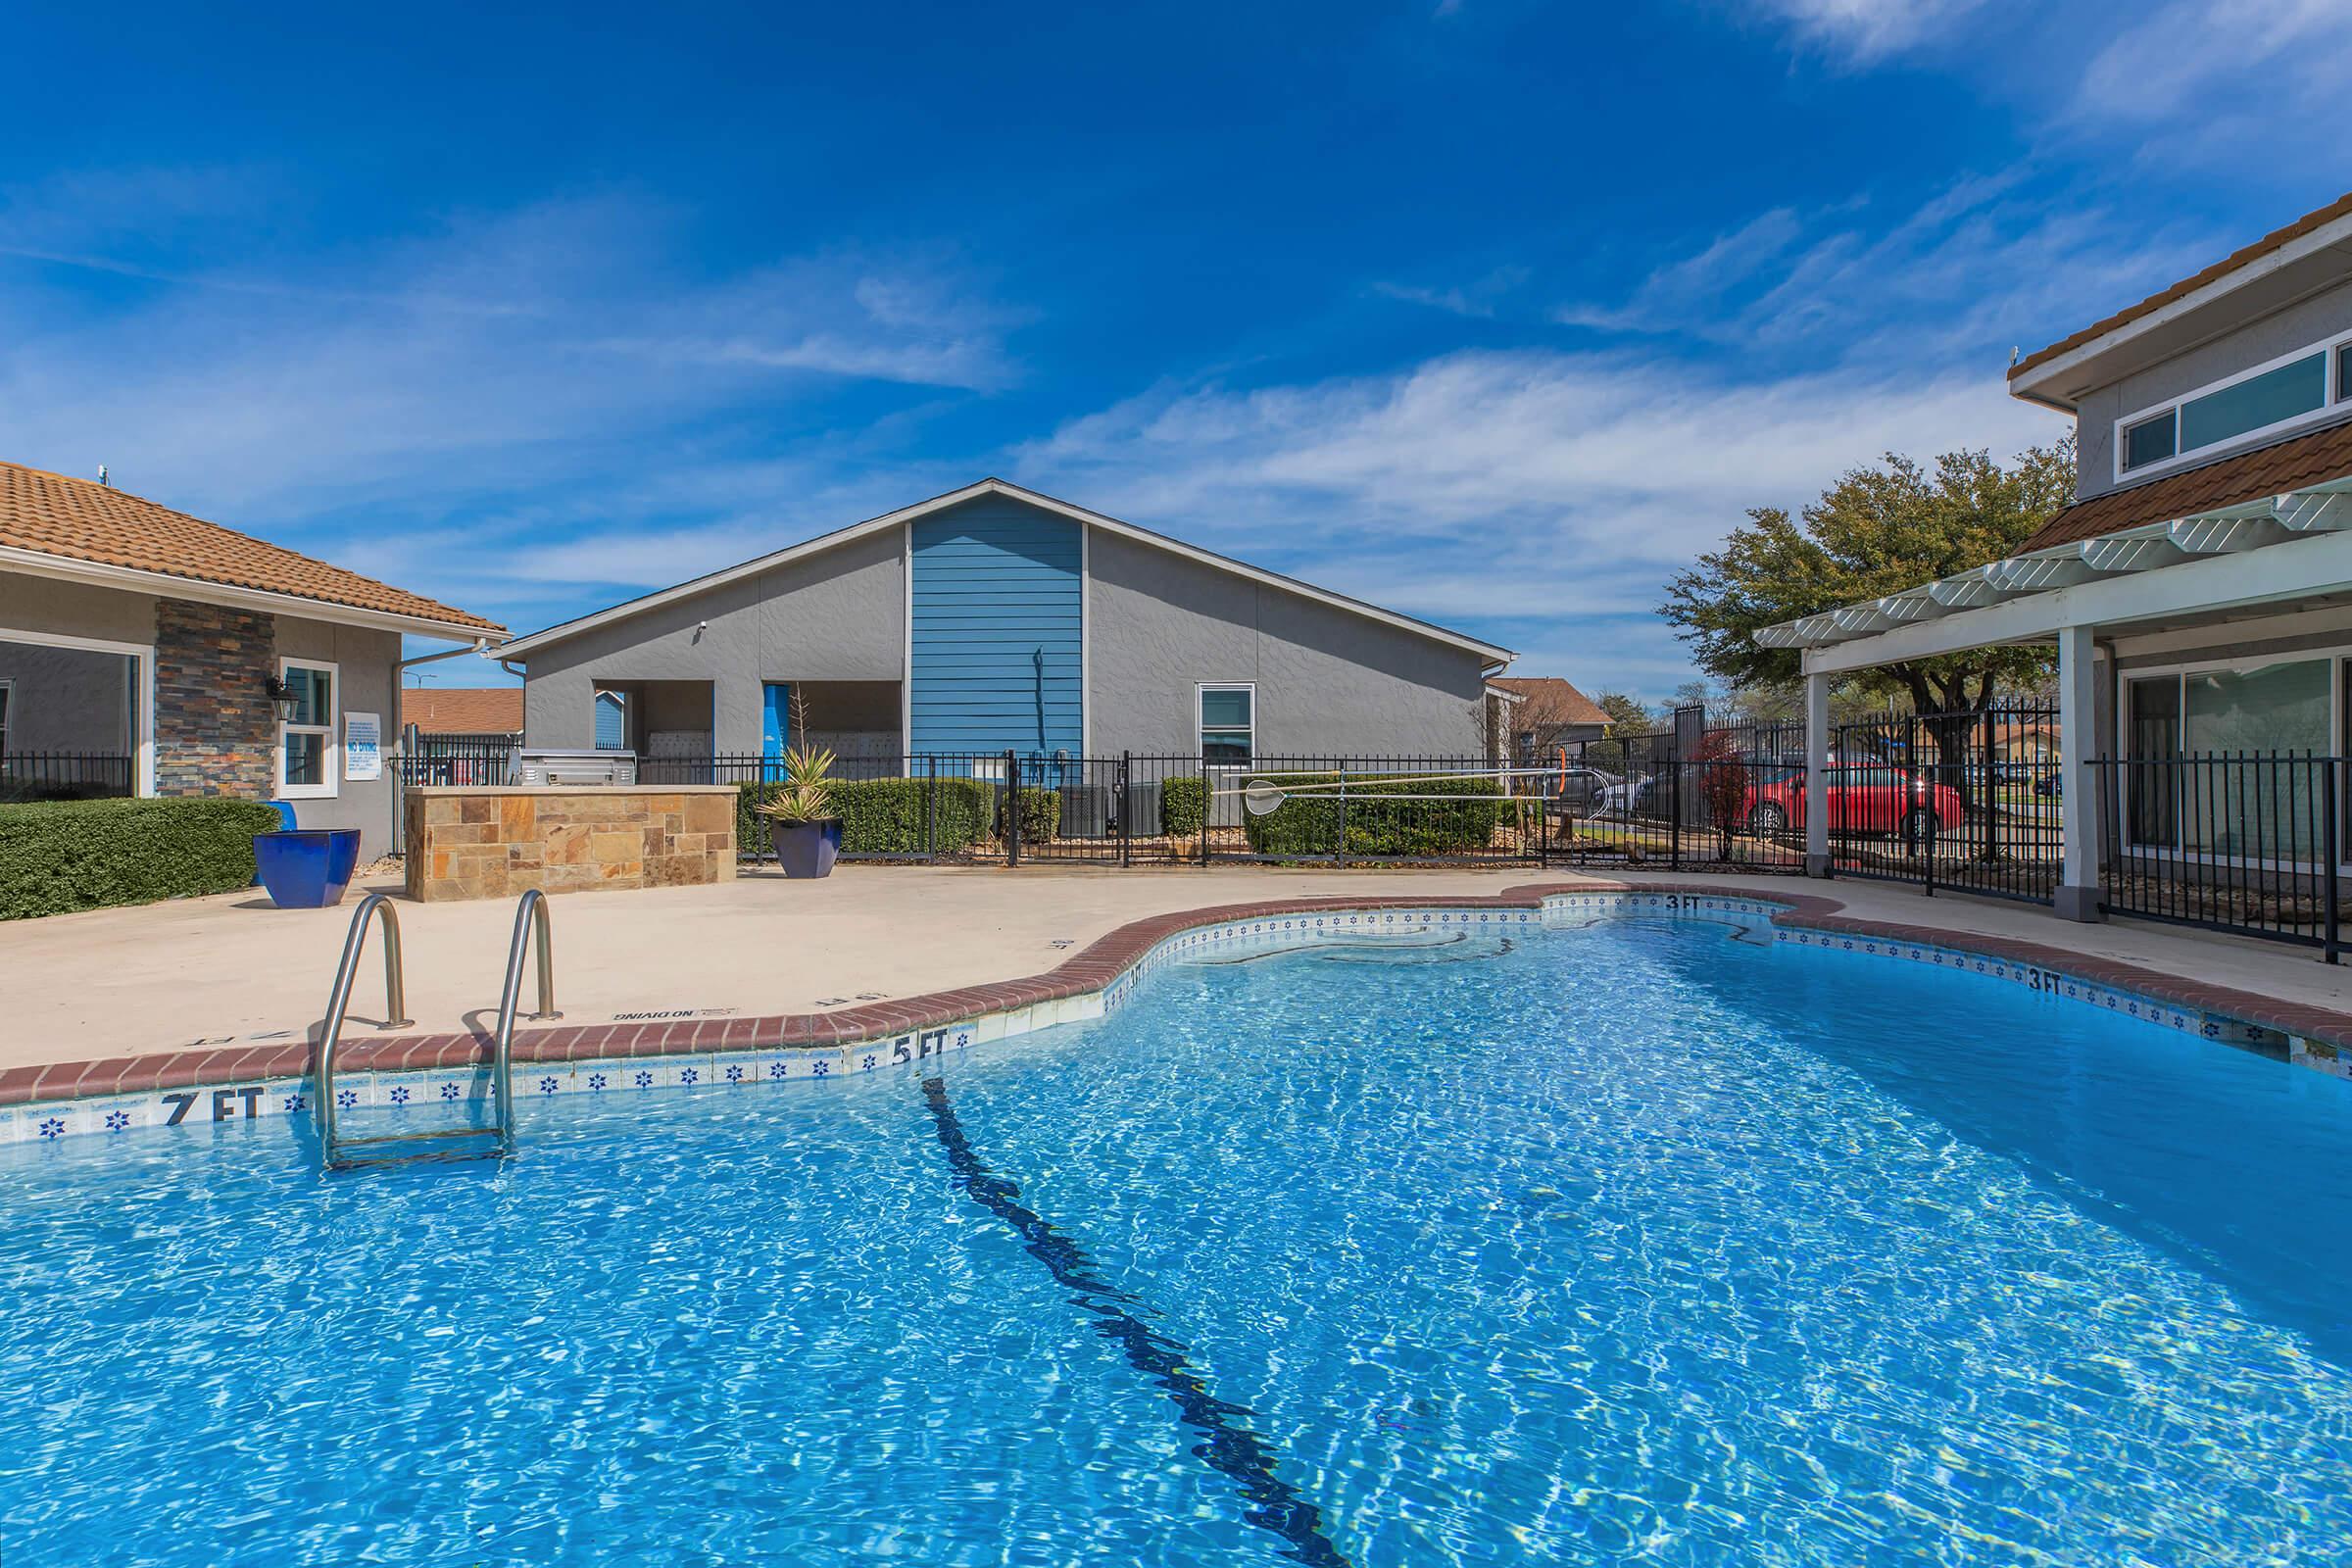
[1627, 715]
[1722, 778]
[1877, 532]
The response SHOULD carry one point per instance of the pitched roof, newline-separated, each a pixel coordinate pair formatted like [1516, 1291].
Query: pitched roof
[462, 710]
[1561, 703]
[2275, 239]
[76, 520]
[2310, 459]
[523, 646]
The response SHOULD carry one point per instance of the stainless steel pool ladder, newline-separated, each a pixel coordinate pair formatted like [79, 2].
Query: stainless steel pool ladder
[334, 1149]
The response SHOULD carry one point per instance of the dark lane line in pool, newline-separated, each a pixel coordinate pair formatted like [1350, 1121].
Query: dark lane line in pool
[1231, 1449]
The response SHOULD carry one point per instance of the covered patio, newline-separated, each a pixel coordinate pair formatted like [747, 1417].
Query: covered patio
[2203, 627]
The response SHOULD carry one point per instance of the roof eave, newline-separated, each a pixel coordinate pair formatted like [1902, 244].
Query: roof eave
[1496, 657]
[2048, 380]
[164, 584]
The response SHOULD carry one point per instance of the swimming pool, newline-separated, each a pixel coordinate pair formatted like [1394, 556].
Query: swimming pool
[1646, 1241]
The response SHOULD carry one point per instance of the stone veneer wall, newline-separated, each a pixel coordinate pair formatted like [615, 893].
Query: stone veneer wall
[214, 729]
[487, 843]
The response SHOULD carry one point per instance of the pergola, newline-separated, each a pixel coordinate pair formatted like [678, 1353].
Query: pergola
[2259, 556]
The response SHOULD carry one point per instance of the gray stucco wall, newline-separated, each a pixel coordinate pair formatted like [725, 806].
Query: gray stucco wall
[369, 668]
[74, 609]
[1157, 623]
[839, 615]
[1328, 680]
[2281, 332]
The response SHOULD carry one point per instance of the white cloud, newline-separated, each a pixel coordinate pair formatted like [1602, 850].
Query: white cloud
[1481, 298]
[1869, 30]
[498, 354]
[1980, 268]
[1542, 495]
[2226, 68]
[1695, 287]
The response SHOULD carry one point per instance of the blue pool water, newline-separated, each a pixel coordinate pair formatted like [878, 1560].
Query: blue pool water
[1638, 1244]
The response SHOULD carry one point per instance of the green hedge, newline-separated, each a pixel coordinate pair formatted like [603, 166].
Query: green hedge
[1182, 804]
[890, 815]
[57, 856]
[881, 816]
[1041, 817]
[1309, 824]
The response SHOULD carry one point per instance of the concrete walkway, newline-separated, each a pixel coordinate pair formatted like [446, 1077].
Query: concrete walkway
[231, 969]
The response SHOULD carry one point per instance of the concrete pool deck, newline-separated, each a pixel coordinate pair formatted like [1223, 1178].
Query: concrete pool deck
[230, 971]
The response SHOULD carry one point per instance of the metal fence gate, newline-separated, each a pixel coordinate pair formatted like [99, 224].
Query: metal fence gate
[1968, 801]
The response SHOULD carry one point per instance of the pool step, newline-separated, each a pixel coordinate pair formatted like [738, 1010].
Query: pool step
[387, 1149]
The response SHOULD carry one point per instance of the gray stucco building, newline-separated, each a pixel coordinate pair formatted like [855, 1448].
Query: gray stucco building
[146, 652]
[995, 618]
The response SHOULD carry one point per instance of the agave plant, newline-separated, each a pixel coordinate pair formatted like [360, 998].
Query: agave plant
[806, 793]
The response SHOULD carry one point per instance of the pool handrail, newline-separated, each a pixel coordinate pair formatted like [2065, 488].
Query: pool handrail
[338, 1001]
[530, 916]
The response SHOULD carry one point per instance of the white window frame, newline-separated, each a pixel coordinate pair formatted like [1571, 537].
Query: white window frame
[142, 740]
[2334, 393]
[596, 700]
[2338, 656]
[8, 710]
[1200, 691]
[330, 760]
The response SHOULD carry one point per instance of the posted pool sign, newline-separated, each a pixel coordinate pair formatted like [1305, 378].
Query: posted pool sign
[363, 747]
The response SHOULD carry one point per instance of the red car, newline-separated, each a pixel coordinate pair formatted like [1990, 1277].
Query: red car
[1864, 798]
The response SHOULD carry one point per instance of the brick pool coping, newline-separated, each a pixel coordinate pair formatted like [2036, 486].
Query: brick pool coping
[1091, 972]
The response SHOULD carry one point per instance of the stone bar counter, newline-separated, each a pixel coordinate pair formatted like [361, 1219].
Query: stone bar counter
[495, 840]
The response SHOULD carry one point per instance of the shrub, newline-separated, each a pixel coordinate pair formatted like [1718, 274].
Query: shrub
[1041, 815]
[881, 816]
[1309, 823]
[1182, 804]
[57, 856]
[888, 815]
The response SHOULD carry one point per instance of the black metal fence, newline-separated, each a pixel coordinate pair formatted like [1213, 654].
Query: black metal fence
[1696, 796]
[1969, 801]
[67, 775]
[2245, 842]
[1669, 812]
[444, 759]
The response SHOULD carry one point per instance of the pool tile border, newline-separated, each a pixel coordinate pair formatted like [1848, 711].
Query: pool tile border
[256, 1082]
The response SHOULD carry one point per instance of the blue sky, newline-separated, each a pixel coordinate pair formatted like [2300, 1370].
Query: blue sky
[1494, 313]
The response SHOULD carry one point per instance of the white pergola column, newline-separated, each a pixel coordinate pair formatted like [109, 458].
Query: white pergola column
[1817, 775]
[2078, 895]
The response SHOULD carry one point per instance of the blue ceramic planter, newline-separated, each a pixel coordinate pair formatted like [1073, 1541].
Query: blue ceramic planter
[306, 869]
[808, 848]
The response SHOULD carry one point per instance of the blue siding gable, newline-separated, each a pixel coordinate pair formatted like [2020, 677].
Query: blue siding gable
[993, 639]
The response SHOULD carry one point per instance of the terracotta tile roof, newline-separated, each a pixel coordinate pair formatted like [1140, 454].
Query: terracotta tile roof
[2272, 471]
[1557, 702]
[83, 521]
[2262, 247]
[462, 710]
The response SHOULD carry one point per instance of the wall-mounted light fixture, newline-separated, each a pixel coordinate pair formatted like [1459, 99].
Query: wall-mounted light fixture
[282, 697]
